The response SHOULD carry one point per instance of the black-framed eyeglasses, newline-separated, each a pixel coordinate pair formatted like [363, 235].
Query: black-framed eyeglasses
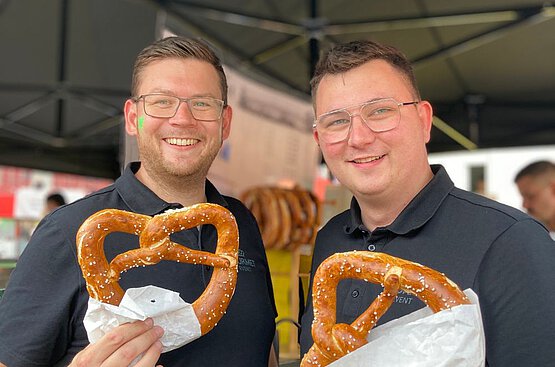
[379, 115]
[166, 106]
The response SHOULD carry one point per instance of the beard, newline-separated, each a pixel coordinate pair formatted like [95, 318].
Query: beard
[177, 168]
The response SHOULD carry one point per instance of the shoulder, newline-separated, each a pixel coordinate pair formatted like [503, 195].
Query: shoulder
[488, 224]
[488, 206]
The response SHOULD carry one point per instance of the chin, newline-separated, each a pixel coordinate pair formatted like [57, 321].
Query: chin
[370, 189]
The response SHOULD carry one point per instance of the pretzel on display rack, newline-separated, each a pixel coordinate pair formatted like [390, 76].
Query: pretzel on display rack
[155, 245]
[332, 341]
[287, 218]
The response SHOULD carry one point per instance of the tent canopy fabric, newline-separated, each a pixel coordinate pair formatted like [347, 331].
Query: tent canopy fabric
[488, 67]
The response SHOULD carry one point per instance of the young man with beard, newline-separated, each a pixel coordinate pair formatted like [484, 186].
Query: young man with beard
[180, 117]
[372, 128]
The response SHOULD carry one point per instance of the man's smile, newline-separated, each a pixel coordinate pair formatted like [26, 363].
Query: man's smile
[181, 142]
[367, 159]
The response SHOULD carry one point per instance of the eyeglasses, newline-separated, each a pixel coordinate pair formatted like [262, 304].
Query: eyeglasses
[379, 115]
[166, 106]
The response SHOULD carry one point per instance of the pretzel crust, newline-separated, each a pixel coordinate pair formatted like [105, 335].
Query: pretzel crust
[154, 246]
[332, 341]
[287, 218]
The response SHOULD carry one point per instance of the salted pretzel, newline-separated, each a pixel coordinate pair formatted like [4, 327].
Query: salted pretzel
[332, 341]
[286, 217]
[155, 245]
[284, 237]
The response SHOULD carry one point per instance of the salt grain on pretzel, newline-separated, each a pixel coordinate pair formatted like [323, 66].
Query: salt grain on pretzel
[155, 245]
[332, 341]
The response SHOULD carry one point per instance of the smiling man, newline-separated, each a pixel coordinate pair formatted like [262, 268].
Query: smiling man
[372, 128]
[179, 115]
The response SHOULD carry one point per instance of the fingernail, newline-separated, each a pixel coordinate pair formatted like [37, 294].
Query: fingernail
[149, 322]
[159, 331]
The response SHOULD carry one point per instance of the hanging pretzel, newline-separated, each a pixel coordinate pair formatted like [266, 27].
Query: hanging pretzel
[155, 245]
[287, 218]
[332, 341]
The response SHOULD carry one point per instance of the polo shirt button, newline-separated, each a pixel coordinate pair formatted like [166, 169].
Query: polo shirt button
[371, 247]
[355, 293]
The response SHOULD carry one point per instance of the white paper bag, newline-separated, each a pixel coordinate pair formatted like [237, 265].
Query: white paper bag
[165, 307]
[450, 338]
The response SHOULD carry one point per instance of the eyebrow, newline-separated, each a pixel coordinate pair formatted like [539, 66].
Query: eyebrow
[171, 93]
[354, 105]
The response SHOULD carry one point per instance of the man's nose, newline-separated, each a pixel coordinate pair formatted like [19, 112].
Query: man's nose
[183, 115]
[359, 132]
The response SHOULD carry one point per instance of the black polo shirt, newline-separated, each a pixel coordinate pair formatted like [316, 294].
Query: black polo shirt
[505, 256]
[41, 313]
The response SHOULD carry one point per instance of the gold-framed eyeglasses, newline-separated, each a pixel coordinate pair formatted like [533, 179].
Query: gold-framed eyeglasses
[379, 115]
[166, 106]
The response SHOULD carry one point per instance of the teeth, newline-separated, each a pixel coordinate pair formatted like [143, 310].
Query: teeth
[367, 159]
[181, 142]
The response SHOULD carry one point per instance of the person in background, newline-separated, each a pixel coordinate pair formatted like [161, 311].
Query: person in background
[53, 201]
[536, 184]
[372, 128]
[179, 115]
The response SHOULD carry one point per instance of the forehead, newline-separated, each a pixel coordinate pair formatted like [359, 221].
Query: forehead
[530, 184]
[371, 80]
[179, 76]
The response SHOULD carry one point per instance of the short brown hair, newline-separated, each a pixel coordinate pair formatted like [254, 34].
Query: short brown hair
[536, 169]
[346, 56]
[178, 47]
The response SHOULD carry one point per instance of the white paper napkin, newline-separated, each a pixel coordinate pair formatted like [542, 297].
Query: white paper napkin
[165, 307]
[450, 338]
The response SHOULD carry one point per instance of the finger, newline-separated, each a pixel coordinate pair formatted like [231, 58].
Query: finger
[147, 346]
[151, 356]
[95, 354]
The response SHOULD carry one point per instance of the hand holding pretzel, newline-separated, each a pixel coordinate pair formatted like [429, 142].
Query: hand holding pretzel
[155, 245]
[332, 341]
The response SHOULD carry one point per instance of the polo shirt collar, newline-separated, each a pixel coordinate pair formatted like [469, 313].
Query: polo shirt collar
[419, 211]
[141, 199]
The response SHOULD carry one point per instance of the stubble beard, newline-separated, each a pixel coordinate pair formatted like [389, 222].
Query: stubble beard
[181, 171]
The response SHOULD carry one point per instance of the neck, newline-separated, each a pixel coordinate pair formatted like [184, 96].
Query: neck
[382, 210]
[185, 190]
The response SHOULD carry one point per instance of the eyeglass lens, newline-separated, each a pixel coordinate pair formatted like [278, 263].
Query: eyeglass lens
[379, 116]
[202, 108]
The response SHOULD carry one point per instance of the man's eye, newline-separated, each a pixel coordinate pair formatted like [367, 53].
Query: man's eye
[163, 102]
[203, 104]
[381, 111]
[335, 122]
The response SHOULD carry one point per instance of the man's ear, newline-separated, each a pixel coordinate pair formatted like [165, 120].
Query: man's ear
[131, 117]
[227, 114]
[426, 113]
[316, 137]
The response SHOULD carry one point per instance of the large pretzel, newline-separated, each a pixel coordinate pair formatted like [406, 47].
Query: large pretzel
[332, 341]
[155, 245]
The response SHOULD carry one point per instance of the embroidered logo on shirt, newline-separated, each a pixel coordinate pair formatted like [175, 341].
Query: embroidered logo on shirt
[404, 297]
[245, 264]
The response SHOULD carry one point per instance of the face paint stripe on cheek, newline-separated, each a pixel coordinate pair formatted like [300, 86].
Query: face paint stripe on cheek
[141, 122]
